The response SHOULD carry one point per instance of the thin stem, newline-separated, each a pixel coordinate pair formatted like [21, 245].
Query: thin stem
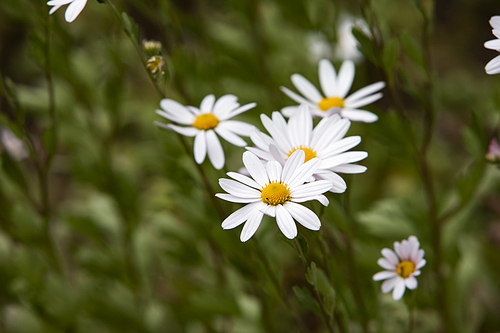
[277, 285]
[326, 317]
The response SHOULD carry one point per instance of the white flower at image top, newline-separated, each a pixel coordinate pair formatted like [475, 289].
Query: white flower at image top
[401, 267]
[493, 67]
[74, 9]
[212, 117]
[347, 44]
[325, 141]
[276, 191]
[335, 88]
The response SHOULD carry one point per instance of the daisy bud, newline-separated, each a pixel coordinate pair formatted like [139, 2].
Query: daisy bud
[151, 47]
[156, 64]
[493, 154]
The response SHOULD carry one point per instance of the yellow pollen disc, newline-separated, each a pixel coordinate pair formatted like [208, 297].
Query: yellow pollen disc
[275, 193]
[332, 102]
[405, 268]
[310, 154]
[206, 121]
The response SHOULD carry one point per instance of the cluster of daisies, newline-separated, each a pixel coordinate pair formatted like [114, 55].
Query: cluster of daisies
[295, 161]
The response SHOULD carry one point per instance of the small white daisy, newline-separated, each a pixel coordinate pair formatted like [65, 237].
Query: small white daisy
[347, 44]
[212, 117]
[74, 9]
[401, 267]
[335, 88]
[326, 141]
[493, 67]
[275, 191]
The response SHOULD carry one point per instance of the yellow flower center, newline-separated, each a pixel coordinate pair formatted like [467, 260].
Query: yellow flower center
[275, 193]
[310, 154]
[405, 268]
[206, 121]
[332, 102]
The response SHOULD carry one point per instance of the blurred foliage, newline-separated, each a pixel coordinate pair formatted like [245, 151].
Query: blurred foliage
[106, 225]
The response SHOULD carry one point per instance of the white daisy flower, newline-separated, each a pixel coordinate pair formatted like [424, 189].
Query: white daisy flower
[401, 267]
[347, 44]
[74, 9]
[493, 67]
[275, 191]
[12, 144]
[212, 117]
[326, 142]
[335, 88]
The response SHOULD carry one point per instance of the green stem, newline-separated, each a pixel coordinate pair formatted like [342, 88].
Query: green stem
[327, 318]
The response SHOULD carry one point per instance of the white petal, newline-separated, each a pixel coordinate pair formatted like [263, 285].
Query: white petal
[285, 222]
[274, 169]
[384, 275]
[303, 215]
[321, 198]
[207, 104]
[255, 168]
[306, 88]
[390, 256]
[276, 133]
[349, 168]
[235, 199]
[364, 92]
[493, 67]
[215, 152]
[58, 2]
[296, 97]
[186, 131]
[493, 44]
[260, 153]
[275, 153]
[495, 22]
[304, 172]
[244, 179]
[292, 164]
[239, 216]
[238, 189]
[359, 115]
[384, 263]
[240, 110]
[345, 78]
[339, 185]
[175, 111]
[269, 210]
[53, 9]
[335, 133]
[289, 111]
[260, 139]
[74, 9]
[341, 146]
[311, 189]
[399, 290]
[225, 104]
[200, 147]
[331, 162]
[389, 284]
[411, 283]
[421, 264]
[251, 226]
[327, 77]
[362, 102]
[300, 127]
[230, 137]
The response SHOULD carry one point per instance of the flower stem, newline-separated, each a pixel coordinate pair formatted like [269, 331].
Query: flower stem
[327, 318]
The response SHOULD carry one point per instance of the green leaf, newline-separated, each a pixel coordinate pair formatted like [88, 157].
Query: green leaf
[303, 244]
[413, 48]
[390, 54]
[469, 180]
[366, 45]
[306, 299]
[130, 27]
[311, 274]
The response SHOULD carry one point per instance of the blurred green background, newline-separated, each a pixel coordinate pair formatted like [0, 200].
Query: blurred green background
[106, 226]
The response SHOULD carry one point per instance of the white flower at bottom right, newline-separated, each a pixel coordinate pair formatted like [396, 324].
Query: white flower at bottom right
[401, 267]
